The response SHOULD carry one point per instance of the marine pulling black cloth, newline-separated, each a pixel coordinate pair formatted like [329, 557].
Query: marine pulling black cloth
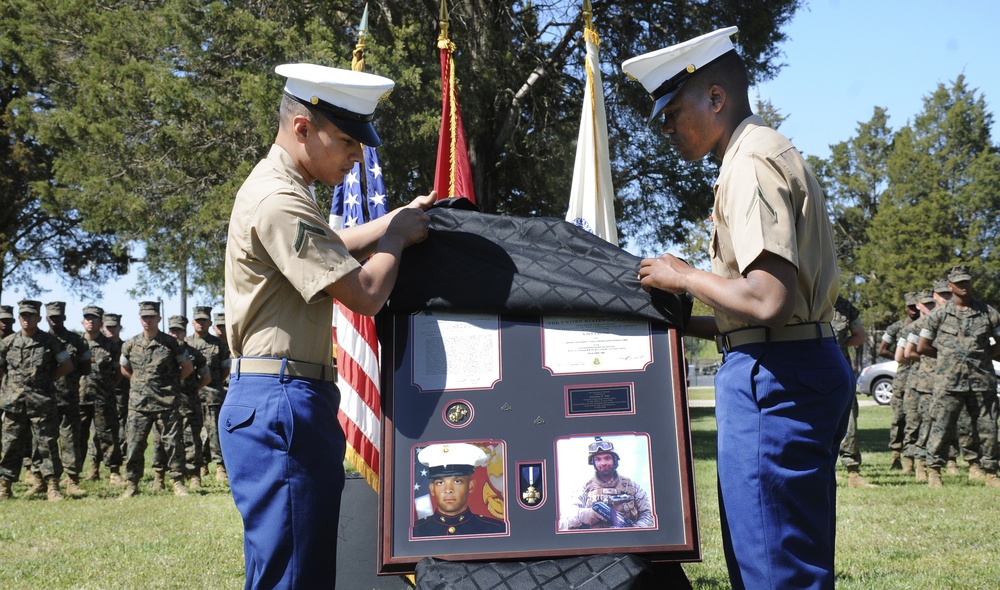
[477, 262]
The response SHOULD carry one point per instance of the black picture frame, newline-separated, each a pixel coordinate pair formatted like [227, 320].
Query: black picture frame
[539, 419]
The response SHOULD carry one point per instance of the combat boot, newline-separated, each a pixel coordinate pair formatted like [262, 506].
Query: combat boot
[157, 481]
[115, 479]
[896, 464]
[951, 468]
[220, 473]
[37, 487]
[855, 480]
[53, 491]
[5, 493]
[992, 481]
[31, 478]
[73, 487]
[179, 489]
[907, 465]
[195, 483]
[94, 473]
[131, 489]
[921, 471]
[203, 472]
[975, 472]
[934, 477]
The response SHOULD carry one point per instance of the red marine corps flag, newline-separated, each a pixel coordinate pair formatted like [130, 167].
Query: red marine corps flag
[452, 176]
[592, 195]
[360, 413]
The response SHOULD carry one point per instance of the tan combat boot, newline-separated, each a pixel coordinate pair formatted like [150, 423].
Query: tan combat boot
[203, 472]
[131, 489]
[94, 473]
[157, 481]
[855, 480]
[951, 468]
[37, 487]
[53, 490]
[907, 465]
[934, 477]
[179, 489]
[5, 493]
[115, 479]
[921, 470]
[195, 483]
[73, 487]
[31, 478]
[992, 481]
[220, 473]
[896, 464]
[975, 472]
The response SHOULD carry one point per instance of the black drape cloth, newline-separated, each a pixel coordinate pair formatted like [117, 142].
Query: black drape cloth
[476, 262]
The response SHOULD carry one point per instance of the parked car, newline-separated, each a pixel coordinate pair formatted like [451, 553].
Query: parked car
[876, 380]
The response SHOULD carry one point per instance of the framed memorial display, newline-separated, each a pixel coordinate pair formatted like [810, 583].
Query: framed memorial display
[517, 437]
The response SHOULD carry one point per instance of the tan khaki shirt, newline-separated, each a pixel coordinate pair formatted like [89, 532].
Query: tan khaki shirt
[280, 255]
[766, 198]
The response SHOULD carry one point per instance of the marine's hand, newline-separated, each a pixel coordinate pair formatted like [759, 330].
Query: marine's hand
[589, 516]
[666, 273]
[424, 202]
[409, 224]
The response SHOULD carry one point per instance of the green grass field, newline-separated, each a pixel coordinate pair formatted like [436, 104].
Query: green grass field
[901, 535]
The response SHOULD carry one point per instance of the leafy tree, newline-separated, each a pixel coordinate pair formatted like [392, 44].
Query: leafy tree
[37, 236]
[938, 207]
[153, 113]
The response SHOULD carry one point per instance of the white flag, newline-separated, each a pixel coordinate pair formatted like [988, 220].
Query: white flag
[592, 194]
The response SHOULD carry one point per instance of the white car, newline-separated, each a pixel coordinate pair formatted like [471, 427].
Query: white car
[876, 381]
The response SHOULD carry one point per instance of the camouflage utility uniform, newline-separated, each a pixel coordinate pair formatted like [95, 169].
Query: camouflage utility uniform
[28, 401]
[965, 371]
[891, 336]
[67, 390]
[98, 390]
[847, 319]
[216, 354]
[155, 365]
[628, 504]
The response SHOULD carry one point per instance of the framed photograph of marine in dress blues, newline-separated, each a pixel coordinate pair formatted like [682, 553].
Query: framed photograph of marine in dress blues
[580, 445]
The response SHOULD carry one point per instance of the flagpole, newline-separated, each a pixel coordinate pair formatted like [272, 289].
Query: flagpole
[591, 200]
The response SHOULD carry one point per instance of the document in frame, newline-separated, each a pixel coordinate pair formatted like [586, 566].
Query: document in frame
[572, 345]
[455, 351]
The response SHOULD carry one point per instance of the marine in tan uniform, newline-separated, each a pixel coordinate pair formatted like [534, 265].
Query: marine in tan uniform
[784, 389]
[284, 264]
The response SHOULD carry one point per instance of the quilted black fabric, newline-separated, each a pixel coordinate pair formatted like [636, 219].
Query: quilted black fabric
[592, 572]
[477, 262]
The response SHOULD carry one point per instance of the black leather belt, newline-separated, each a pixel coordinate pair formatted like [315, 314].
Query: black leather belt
[757, 334]
[270, 366]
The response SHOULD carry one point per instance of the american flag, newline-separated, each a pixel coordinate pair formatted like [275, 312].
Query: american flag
[360, 413]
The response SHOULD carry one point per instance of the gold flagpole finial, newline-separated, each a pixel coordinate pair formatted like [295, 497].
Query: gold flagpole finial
[443, 22]
[588, 15]
[358, 55]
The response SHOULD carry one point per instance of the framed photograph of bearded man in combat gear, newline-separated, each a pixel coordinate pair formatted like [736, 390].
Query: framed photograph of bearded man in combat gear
[613, 495]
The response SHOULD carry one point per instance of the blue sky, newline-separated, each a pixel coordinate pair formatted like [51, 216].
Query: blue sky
[843, 58]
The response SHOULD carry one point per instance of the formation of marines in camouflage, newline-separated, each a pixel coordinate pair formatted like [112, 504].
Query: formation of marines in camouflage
[61, 399]
[946, 386]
